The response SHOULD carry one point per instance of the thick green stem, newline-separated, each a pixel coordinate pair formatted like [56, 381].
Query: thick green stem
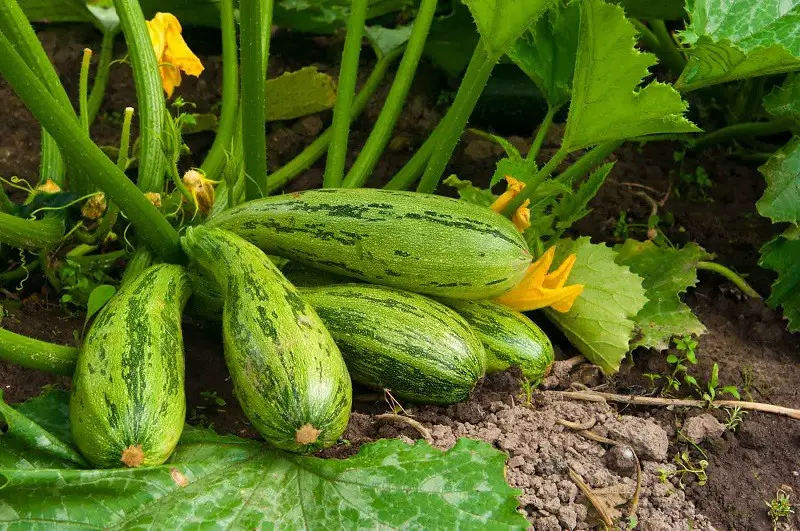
[147, 220]
[35, 354]
[533, 184]
[140, 260]
[667, 52]
[101, 75]
[735, 279]
[381, 133]
[749, 129]
[30, 234]
[215, 159]
[536, 146]
[122, 163]
[14, 25]
[316, 149]
[345, 93]
[587, 162]
[83, 90]
[254, 60]
[149, 95]
[475, 79]
[413, 169]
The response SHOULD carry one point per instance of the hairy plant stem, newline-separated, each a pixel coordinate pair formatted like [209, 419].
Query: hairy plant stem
[149, 95]
[30, 234]
[215, 159]
[313, 152]
[35, 354]
[147, 220]
[255, 52]
[345, 93]
[535, 181]
[749, 129]
[536, 146]
[101, 76]
[122, 162]
[477, 75]
[669, 54]
[83, 90]
[15, 26]
[735, 279]
[382, 131]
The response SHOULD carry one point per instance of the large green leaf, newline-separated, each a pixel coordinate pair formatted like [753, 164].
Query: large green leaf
[606, 103]
[781, 199]
[214, 481]
[451, 40]
[546, 52]
[784, 100]
[56, 10]
[299, 93]
[601, 322]
[501, 22]
[737, 39]
[783, 255]
[667, 273]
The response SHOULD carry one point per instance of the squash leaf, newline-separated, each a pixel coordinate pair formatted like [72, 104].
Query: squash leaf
[546, 52]
[97, 299]
[781, 199]
[606, 103]
[451, 40]
[501, 22]
[601, 322]
[385, 40]
[667, 273]
[783, 256]
[738, 39]
[299, 93]
[229, 482]
[784, 100]
[470, 193]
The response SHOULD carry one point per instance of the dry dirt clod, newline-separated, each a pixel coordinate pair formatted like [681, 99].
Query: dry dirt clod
[698, 429]
[647, 438]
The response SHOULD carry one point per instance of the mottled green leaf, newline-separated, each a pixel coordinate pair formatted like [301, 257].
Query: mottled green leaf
[606, 103]
[546, 52]
[737, 39]
[601, 322]
[225, 482]
[667, 273]
[300, 93]
[781, 199]
[784, 100]
[451, 40]
[501, 22]
[783, 256]
[385, 40]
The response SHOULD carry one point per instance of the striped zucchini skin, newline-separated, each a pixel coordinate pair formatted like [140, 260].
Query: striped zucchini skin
[416, 347]
[127, 401]
[510, 338]
[417, 242]
[289, 376]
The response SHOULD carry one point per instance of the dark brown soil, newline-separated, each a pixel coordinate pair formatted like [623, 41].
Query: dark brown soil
[745, 338]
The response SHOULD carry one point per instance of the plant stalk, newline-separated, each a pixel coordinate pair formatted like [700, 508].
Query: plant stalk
[668, 51]
[215, 159]
[316, 149]
[147, 220]
[30, 234]
[536, 146]
[414, 168]
[475, 79]
[345, 93]
[588, 161]
[122, 162]
[35, 354]
[734, 279]
[102, 73]
[749, 129]
[254, 59]
[379, 137]
[532, 185]
[149, 95]
[83, 90]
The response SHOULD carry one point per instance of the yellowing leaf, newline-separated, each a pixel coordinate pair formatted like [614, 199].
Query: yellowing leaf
[300, 93]
[606, 103]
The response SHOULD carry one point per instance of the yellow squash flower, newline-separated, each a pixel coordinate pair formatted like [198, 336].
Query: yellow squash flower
[539, 289]
[172, 53]
[202, 190]
[522, 217]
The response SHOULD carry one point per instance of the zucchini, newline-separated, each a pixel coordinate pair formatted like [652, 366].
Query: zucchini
[416, 347]
[127, 401]
[417, 242]
[510, 338]
[289, 376]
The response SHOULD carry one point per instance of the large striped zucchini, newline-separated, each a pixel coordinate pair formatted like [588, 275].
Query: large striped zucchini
[416, 347]
[128, 404]
[510, 338]
[417, 242]
[289, 376]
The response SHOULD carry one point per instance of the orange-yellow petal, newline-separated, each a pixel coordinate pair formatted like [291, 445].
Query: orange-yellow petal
[569, 295]
[172, 52]
[558, 278]
[522, 217]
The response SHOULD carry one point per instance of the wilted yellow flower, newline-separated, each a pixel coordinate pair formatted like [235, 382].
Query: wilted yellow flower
[94, 207]
[172, 52]
[49, 187]
[201, 188]
[155, 198]
[522, 217]
[539, 289]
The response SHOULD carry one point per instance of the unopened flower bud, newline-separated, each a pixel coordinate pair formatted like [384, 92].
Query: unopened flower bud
[154, 198]
[201, 188]
[94, 207]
